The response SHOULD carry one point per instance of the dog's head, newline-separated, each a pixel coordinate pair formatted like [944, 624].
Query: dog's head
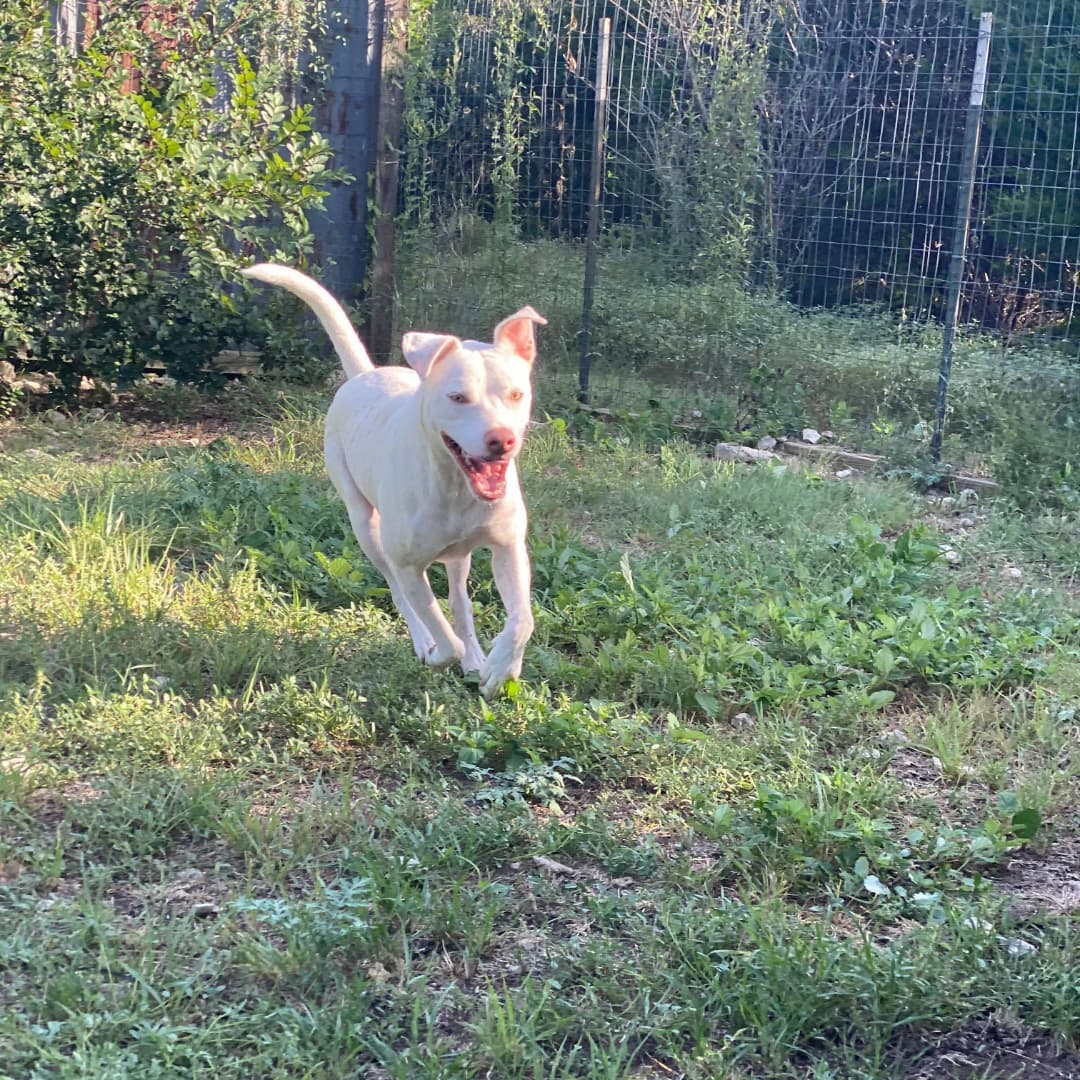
[477, 396]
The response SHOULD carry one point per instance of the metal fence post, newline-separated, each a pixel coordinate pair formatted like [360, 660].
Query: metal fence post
[963, 223]
[596, 183]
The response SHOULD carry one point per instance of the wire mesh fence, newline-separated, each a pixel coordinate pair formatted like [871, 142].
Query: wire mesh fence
[784, 190]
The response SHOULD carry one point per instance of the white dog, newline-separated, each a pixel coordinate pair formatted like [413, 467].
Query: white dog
[424, 461]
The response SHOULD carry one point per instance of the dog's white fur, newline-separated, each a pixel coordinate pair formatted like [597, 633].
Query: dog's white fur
[415, 498]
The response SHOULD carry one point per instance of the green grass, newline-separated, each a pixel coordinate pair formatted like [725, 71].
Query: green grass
[780, 792]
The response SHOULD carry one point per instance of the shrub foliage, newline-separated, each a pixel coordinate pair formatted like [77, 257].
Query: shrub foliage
[135, 176]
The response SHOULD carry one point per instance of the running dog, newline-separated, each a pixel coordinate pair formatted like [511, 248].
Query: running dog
[425, 459]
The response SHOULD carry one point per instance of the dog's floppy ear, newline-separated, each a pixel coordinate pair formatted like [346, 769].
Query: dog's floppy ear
[423, 351]
[517, 335]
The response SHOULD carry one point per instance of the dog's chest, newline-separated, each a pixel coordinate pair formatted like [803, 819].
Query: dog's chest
[455, 531]
[449, 529]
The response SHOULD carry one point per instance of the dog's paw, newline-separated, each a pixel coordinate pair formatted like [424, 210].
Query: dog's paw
[423, 647]
[496, 683]
[508, 688]
[499, 668]
[491, 685]
[442, 656]
[473, 662]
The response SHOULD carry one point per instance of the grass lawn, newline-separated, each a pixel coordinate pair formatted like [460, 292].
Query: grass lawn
[784, 792]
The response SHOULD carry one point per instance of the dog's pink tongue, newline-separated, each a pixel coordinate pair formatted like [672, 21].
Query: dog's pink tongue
[489, 479]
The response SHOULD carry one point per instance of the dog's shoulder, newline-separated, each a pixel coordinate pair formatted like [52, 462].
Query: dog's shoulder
[372, 399]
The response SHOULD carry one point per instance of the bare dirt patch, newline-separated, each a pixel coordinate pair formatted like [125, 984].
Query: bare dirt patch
[996, 1047]
[145, 420]
[1047, 883]
[915, 769]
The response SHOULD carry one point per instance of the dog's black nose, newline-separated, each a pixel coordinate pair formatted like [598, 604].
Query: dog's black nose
[499, 441]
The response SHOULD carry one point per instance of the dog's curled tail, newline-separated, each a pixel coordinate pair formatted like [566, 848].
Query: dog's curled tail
[349, 347]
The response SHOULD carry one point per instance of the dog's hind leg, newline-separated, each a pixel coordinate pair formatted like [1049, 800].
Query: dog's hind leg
[457, 574]
[365, 523]
[364, 519]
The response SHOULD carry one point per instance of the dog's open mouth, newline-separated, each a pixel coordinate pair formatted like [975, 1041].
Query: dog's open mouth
[487, 478]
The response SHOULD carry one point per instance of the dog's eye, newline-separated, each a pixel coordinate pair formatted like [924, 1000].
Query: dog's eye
[459, 399]
[515, 395]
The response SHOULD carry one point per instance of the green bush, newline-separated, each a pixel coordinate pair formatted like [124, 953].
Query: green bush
[134, 178]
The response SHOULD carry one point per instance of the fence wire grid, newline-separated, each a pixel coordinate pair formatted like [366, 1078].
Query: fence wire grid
[780, 198]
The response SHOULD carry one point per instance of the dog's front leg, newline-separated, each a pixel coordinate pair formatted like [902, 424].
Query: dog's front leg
[510, 567]
[457, 575]
[448, 646]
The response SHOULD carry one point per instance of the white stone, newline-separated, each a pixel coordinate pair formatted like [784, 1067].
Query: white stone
[1018, 947]
[745, 455]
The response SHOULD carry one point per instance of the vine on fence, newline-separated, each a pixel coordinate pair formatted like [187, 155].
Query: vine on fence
[705, 146]
[497, 97]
